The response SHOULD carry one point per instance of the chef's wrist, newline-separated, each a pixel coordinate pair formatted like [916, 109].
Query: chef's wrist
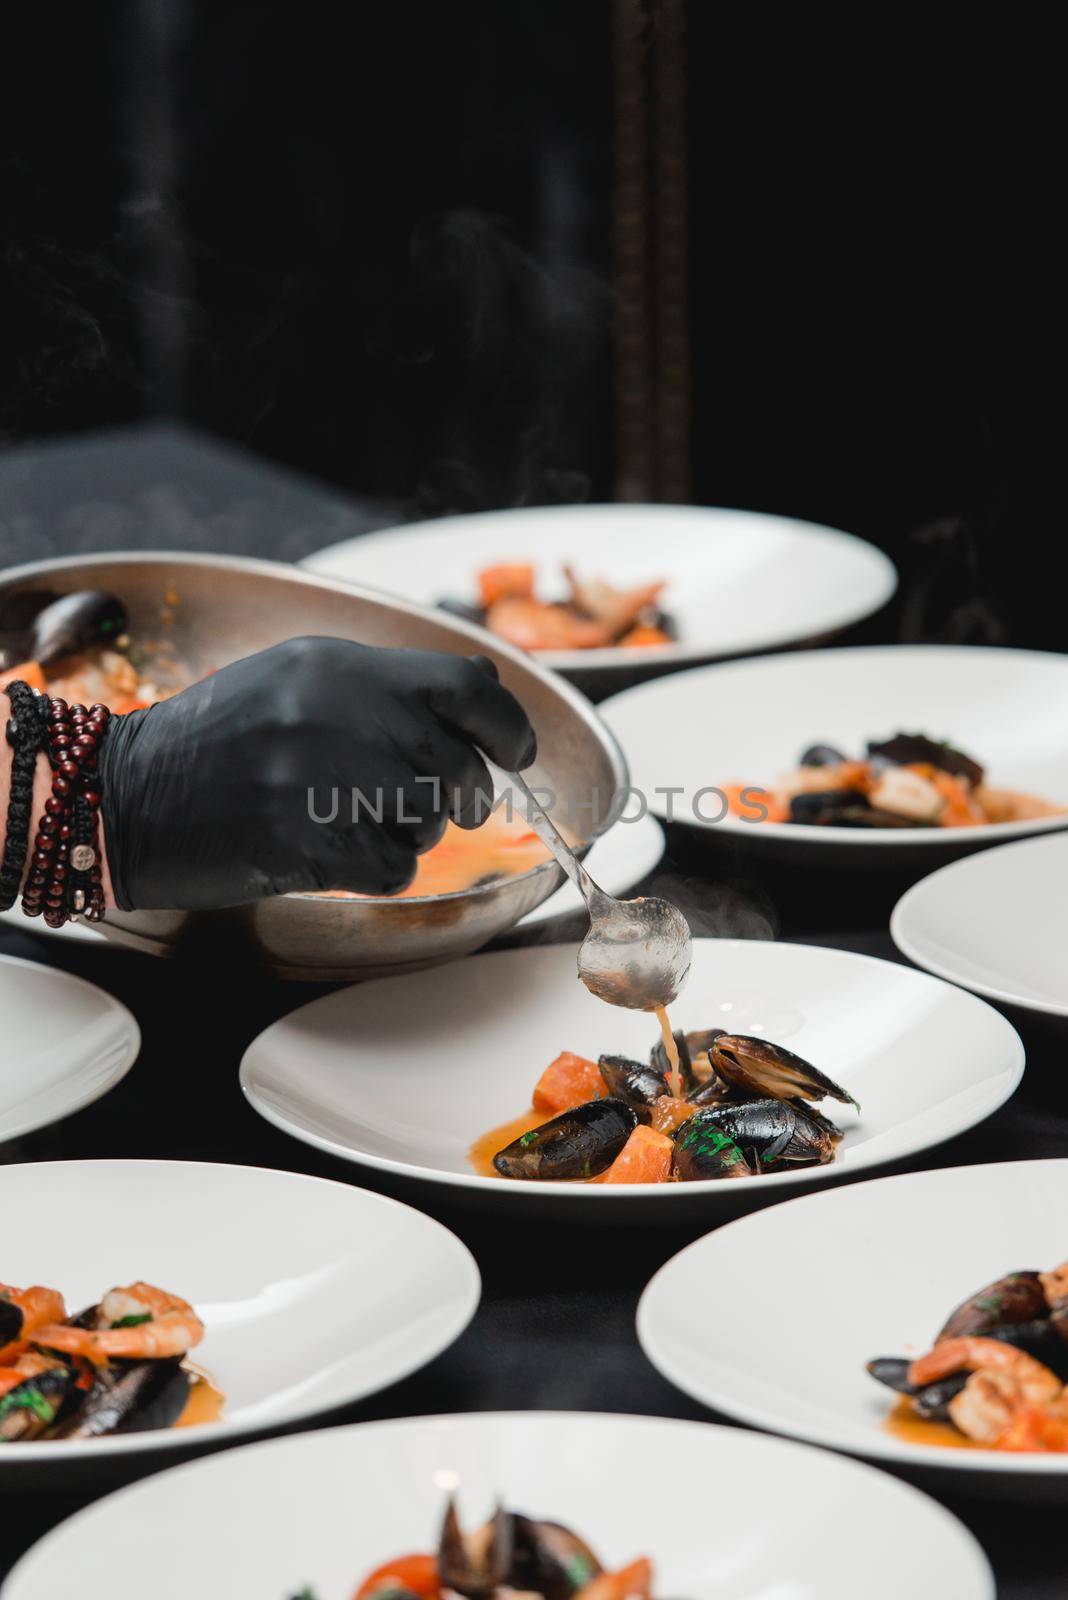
[42, 788]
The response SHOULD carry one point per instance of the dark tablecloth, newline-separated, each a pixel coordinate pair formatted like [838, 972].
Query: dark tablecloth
[556, 1325]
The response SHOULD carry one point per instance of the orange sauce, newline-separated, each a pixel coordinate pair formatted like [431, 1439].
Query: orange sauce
[502, 847]
[486, 1146]
[205, 1403]
[904, 1424]
[671, 1050]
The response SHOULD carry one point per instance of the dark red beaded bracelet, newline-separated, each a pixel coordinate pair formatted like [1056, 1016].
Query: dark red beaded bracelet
[66, 877]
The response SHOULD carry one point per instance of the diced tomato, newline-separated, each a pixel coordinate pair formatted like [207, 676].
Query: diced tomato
[669, 1113]
[28, 671]
[418, 1574]
[514, 580]
[745, 799]
[645, 1158]
[633, 1582]
[962, 810]
[568, 1081]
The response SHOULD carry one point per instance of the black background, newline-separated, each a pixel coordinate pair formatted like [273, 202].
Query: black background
[374, 243]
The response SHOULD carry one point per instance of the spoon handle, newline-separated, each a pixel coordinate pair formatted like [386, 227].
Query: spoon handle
[554, 840]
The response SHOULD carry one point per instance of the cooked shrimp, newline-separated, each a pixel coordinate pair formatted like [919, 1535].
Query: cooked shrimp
[616, 609]
[157, 1325]
[1038, 1428]
[23, 1310]
[907, 793]
[1003, 1381]
[533, 625]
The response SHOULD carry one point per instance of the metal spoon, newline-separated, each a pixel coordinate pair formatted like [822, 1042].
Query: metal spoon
[637, 952]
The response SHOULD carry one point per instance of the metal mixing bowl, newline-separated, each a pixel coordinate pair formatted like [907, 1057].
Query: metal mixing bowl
[215, 609]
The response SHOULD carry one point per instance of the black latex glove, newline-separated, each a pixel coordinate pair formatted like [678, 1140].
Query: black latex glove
[206, 796]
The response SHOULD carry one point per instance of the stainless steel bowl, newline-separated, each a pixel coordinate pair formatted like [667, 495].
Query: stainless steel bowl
[215, 609]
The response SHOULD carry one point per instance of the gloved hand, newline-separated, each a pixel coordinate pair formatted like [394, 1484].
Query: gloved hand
[206, 795]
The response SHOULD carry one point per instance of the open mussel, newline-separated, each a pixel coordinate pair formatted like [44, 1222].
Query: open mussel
[638, 1085]
[478, 1563]
[29, 1409]
[659, 1062]
[131, 1397]
[761, 1068]
[843, 808]
[931, 1400]
[822, 755]
[579, 1143]
[10, 1321]
[550, 1560]
[910, 749]
[1017, 1297]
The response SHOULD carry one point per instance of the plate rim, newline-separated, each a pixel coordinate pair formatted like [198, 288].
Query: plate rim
[992, 833]
[884, 1447]
[665, 1194]
[90, 1093]
[965, 1542]
[906, 905]
[674, 655]
[223, 1432]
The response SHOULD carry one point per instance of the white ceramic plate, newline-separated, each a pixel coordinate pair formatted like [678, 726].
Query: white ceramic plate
[618, 860]
[405, 1073]
[718, 1512]
[995, 923]
[313, 1294]
[824, 1284]
[749, 721]
[735, 580]
[65, 1043]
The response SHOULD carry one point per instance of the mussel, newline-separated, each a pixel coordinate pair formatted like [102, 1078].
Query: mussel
[771, 1134]
[579, 1143]
[44, 627]
[635, 1083]
[844, 808]
[822, 755]
[906, 749]
[930, 1401]
[703, 1150]
[475, 1564]
[130, 1397]
[550, 1560]
[699, 1042]
[763, 1068]
[1017, 1297]
[659, 1062]
[31, 1407]
[10, 1321]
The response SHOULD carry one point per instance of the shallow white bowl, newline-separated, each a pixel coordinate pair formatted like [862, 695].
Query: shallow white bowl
[995, 923]
[404, 1074]
[772, 1319]
[749, 721]
[718, 1511]
[736, 580]
[65, 1043]
[313, 1294]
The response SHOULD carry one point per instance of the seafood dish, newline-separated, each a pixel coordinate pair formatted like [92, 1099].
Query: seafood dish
[510, 1554]
[593, 615]
[997, 1373]
[76, 646]
[730, 1106]
[117, 1367]
[907, 781]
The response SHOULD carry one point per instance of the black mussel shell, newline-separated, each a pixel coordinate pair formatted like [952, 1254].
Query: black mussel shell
[131, 1397]
[479, 1565]
[714, 1092]
[76, 622]
[463, 609]
[699, 1042]
[932, 1400]
[772, 1134]
[822, 755]
[824, 1122]
[579, 1143]
[702, 1150]
[906, 748]
[10, 1321]
[1039, 1338]
[548, 1559]
[762, 1068]
[658, 1060]
[633, 1082]
[32, 1407]
[1017, 1297]
[828, 808]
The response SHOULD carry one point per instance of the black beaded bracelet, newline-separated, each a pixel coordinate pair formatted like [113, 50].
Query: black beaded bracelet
[27, 730]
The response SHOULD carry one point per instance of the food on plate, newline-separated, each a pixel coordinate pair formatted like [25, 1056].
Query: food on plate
[737, 1107]
[996, 1376]
[117, 1367]
[908, 781]
[77, 647]
[592, 616]
[510, 1555]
